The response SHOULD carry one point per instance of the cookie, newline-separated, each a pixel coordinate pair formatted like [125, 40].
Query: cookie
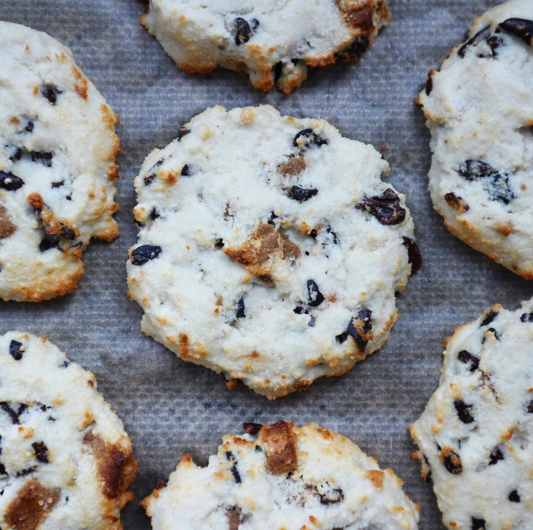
[476, 433]
[273, 44]
[65, 460]
[269, 248]
[282, 476]
[57, 152]
[479, 108]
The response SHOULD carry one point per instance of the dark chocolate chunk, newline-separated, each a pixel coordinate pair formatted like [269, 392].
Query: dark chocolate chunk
[478, 524]
[452, 462]
[415, 256]
[252, 428]
[360, 328]
[520, 27]
[10, 182]
[495, 456]
[301, 194]
[185, 171]
[489, 318]
[242, 31]
[386, 208]
[300, 310]
[514, 497]
[15, 350]
[50, 93]
[41, 452]
[42, 157]
[308, 139]
[463, 411]
[527, 317]
[219, 243]
[240, 309]
[154, 214]
[315, 297]
[29, 126]
[144, 254]
[467, 358]
[47, 244]
[474, 41]
[58, 184]
[356, 49]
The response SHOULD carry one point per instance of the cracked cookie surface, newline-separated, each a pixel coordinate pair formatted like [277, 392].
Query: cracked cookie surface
[479, 108]
[475, 435]
[65, 460]
[269, 248]
[273, 41]
[283, 477]
[57, 170]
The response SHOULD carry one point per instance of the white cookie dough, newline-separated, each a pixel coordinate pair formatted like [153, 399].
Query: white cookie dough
[57, 170]
[65, 460]
[283, 477]
[476, 433]
[480, 112]
[273, 40]
[269, 248]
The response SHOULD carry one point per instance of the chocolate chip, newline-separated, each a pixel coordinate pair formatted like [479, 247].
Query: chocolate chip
[467, 358]
[242, 31]
[463, 411]
[491, 316]
[414, 254]
[185, 171]
[385, 208]
[183, 131]
[527, 317]
[41, 452]
[15, 350]
[58, 184]
[154, 214]
[478, 524]
[144, 254]
[42, 157]
[149, 179]
[452, 463]
[474, 41]
[46, 244]
[233, 469]
[10, 412]
[252, 428]
[356, 49]
[50, 93]
[301, 194]
[29, 126]
[219, 243]
[10, 182]
[520, 27]
[359, 329]
[495, 456]
[300, 310]
[308, 139]
[240, 309]
[315, 297]
[514, 497]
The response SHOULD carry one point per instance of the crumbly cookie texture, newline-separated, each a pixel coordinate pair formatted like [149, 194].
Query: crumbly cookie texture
[476, 433]
[65, 460]
[269, 248]
[480, 112]
[281, 477]
[57, 170]
[274, 41]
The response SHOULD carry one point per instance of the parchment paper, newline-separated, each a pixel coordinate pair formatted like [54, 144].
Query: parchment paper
[171, 408]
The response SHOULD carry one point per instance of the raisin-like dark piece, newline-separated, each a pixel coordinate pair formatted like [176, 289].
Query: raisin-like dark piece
[42, 157]
[473, 169]
[463, 411]
[494, 43]
[233, 469]
[497, 336]
[301, 194]
[242, 31]
[25, 472]
[308, 139]
[15, 350]
[16, 154]
[385, 208]
[144, 254]
[68, 233]
[474, 41]
[452, 463]
[360, 327]
[160, 484]
[50, 93]
[456, 202]
[252, 428]
[467, 358]
[47, 244]
[415, 256]
[276, 71]
[429, 477]
[299, 310]
[527, 317]
[10, 182]
[41, 452]
[495, 183]
[65, 364]
[489, 319]
[2, 469]
[514, 497]
[315, 297]
[185, 171]
[342, 337]
[495, 456]
[520, 27]
[58, 184]
[429, 85]
[240, 309]
[154, 214]
[149, 179]
[356, 49]
[219, 243]
[10, 412]
[183, 131]
[331, 497]
[478, 524]
[29, 126]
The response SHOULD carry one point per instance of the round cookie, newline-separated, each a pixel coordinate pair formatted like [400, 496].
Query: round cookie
[269, 248]
[479, 108]
[57, 152]
[274, 44]
[65, 460]
[476, 433]
[282, 476]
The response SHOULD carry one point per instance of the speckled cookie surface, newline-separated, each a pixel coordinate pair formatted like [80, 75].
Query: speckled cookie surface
[283, 477]
[57, 152]
[476, 433]
[480, 111]
[274, 41]
[269, 248]
[65, 460]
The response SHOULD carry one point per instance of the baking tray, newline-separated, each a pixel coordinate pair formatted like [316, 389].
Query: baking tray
[171, 408]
